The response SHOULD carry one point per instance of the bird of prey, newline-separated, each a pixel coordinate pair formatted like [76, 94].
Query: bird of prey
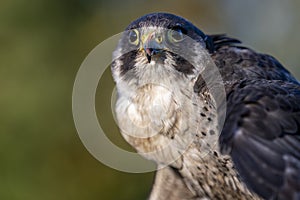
[167, 112]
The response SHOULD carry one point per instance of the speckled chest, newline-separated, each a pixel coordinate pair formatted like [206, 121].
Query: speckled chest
[162, 121]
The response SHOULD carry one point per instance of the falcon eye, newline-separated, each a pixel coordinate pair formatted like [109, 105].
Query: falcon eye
[134, 37]
[175, 35]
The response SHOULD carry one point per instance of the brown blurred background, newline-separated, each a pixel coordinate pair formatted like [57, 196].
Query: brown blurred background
[42, 44]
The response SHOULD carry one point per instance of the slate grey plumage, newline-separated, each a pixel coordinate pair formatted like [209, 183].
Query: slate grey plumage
[257, 154]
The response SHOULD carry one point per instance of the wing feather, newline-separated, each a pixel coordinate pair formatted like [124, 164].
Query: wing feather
[262, 135]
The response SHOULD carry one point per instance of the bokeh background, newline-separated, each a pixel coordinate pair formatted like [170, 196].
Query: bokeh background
[42, 44]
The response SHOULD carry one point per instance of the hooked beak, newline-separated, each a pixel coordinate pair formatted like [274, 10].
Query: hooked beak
[152, 45]
[150, 52]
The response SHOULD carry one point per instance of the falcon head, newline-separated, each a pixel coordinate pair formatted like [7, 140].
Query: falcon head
[158, 47]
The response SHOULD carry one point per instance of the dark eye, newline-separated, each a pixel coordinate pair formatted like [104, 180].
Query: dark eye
[175, 35]
[134, 37]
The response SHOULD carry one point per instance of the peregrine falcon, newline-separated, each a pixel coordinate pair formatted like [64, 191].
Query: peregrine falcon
[167, 113]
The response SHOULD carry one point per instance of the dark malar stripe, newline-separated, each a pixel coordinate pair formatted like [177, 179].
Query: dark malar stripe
[181, 64]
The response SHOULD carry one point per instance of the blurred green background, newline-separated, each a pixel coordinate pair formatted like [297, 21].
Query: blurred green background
[42, 44]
